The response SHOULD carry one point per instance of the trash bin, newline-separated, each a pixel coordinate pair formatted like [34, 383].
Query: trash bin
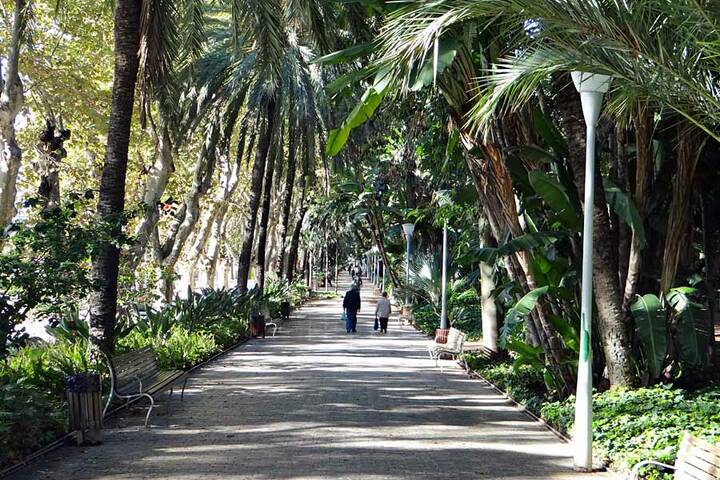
[441, 335]
[84, 398]
[257, 326]
[285, 310]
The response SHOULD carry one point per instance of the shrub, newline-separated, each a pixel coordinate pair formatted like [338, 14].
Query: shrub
[30, 417]
[178, 348]
[426, 319]
[648, 423]
[182, 349]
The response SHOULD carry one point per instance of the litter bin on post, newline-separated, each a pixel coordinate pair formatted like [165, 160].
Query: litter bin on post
[257, 326]
[85, 407]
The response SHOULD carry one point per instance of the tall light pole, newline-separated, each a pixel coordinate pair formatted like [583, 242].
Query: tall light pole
[443, 310]
[592, 87]
[408, 228]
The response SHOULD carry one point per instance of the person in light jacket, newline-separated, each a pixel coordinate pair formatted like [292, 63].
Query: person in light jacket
[382, 312]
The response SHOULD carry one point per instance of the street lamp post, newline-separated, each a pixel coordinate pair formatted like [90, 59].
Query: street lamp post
[408, 228]
[592, 87]
[443, 310]
[377, 271]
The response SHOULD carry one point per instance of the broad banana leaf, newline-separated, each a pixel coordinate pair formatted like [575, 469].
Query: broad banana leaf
[624, 207]
[693, 328]
[649, 319]
[557, 198]
[519, 311]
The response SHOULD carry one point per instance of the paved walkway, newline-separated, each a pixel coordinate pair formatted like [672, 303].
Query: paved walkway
[316, 403]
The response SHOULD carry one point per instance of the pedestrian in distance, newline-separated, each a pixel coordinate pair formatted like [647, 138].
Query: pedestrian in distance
[351, 304]
[383, 311]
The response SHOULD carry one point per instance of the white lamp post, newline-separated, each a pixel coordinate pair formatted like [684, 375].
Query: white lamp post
[408, 228]
[443, 311]
[592, 87]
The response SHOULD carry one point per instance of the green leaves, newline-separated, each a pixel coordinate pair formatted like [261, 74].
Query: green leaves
[557, 198]
[649, 319]
[623, 206]
[523, 243]
[362, 112]
[345, 55]
[443, 55]
[693, 327]
[518, 312]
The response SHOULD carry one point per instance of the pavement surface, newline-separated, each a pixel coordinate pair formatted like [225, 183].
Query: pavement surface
[317, 403]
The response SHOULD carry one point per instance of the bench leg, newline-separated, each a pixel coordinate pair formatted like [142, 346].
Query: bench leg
[152, 405]
[170, 394]
[182, 394]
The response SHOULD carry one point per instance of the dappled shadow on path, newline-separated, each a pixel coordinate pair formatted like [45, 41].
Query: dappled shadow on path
[317, 403]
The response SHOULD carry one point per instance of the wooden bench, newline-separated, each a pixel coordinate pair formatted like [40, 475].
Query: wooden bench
[454, 347]
[136, 374]
[696, 460]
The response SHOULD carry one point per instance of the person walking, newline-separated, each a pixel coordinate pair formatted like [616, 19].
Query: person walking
[351, 304]
[382, 312]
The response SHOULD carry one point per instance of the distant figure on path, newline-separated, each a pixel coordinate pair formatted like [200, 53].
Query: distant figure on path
[382, 312]
[351, 304]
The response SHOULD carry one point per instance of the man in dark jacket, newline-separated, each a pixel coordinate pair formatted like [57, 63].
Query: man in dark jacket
[351, 304]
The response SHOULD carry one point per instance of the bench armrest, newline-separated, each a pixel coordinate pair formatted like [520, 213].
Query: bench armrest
[639, 465]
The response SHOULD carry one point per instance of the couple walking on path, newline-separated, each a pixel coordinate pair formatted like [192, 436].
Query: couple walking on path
[351, 305]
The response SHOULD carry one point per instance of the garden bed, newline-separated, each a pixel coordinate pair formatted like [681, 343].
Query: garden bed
[628, 425]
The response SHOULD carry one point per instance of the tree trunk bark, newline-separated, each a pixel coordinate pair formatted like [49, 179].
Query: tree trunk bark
[111, 202]
[173, 245]
[295, 240]
[255, 193]
[11, 101]
[155, 184]
[613, 324]
[643, 177]
[689, 148]
[409, 160]
[265, 218]
[287, 203]
[488, 307]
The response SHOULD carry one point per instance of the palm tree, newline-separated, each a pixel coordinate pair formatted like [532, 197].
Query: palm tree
[146, 44]
[111, 202]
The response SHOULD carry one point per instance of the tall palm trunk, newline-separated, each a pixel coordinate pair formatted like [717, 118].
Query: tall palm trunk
[256, 182]
[689, 147]
[111, 202]
[287, 204]
[613, 323]
[409, 159]
[11, 101]
[643, 176]
[265, 218]
[487, 286]
[295, 240]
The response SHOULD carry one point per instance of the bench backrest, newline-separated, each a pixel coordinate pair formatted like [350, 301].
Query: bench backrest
[127, 368]
[697, 460]
[455, 340]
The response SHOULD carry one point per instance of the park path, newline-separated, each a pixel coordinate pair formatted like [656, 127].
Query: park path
[316, 403]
